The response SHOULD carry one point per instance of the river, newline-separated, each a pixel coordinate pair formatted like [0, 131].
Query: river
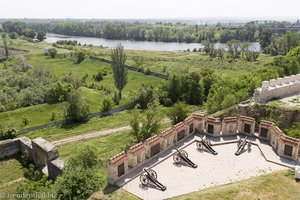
[136, 45]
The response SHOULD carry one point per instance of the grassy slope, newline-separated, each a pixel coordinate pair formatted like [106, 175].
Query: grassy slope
[96, 124]
[277, 185]
[41, 114]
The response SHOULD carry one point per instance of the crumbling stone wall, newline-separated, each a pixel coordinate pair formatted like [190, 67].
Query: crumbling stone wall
[277, 88]
[42, 153]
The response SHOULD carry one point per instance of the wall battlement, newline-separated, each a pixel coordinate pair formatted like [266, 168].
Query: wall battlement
[124, 162]
[277, 88]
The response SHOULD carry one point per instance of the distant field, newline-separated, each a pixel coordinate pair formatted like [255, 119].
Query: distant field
[168, 62]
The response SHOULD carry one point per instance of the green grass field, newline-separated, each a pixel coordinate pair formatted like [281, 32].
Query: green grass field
[41, 114]
[163, 62]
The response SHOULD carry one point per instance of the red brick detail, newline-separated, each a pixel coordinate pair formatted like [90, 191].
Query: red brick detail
[198, 116]
[152, 140]
[277, 130]
[118, 158]
[136, 149]
[247, 119]
[290, 140]
[228, 120]
[179, 126]
[167, 133]
[212, 120]
[188, 121]
[266, 124]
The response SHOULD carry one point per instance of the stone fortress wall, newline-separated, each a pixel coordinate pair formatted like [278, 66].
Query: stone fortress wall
[277, 88]
[43, 154]
[122, 163]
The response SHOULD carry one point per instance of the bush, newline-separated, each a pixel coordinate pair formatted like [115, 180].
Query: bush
[52, 52]
[25, 121]
[80, 178]
[107, 104]
[98, 76]
[78, 109]
[25, 159]
[178, 112]
[9, 133]
[79, 56]
[145, 96]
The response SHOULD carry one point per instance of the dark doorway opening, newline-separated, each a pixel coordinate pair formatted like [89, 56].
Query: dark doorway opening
[121, 169]
[247, 128]
[264, 132]
[154, 150]
[288, 150]
[210, 129]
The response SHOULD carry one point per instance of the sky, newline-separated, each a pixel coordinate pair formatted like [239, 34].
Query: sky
[142, 9]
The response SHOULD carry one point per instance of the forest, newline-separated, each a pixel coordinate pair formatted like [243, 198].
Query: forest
[158, 31]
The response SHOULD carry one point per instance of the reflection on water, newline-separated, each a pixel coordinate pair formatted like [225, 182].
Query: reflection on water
[136, 45]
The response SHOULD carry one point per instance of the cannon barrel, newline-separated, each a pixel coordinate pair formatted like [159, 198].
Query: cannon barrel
[241, 146]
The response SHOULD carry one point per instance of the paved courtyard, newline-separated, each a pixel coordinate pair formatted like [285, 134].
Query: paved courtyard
[212, 171]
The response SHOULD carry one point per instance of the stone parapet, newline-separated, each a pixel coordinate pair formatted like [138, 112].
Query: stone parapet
[277, 88]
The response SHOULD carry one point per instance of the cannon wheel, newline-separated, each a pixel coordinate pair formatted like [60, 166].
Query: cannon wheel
[199, 145]
[176, 158]
[153, 173]
[144, 180]
[184, 153]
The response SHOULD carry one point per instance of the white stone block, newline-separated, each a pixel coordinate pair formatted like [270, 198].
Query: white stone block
[272, 83]
[292, 78]
[297, 77]
[297, 172]
[286, 80]
[279, 81]
[265, 84]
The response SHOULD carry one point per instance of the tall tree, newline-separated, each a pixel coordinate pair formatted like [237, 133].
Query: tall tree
[5, 44]
[41, 35]
[118, 58]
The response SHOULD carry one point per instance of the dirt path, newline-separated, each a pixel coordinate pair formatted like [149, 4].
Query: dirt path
[90, 135]
[12, 182]
[95, 134]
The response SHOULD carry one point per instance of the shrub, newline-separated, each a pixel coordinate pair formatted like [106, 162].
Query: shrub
[52, 52]
[107, 104]
[98, 76]
[9, 133]
[78, 109]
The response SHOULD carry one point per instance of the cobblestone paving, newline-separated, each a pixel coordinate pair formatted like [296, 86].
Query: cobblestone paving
[212, 171]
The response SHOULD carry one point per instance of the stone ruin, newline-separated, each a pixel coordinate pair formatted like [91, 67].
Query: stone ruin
[43, 154]
[277, 88]
[124, 162]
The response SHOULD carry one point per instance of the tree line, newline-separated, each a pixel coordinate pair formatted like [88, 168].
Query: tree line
[140, 31]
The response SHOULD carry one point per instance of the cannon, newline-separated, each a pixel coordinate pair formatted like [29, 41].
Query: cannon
[182, 155]
[151, 175]
[241, 146]
[207, 144]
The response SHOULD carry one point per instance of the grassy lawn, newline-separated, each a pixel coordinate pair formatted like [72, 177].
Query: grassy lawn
[277, 185]
[11, 170]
